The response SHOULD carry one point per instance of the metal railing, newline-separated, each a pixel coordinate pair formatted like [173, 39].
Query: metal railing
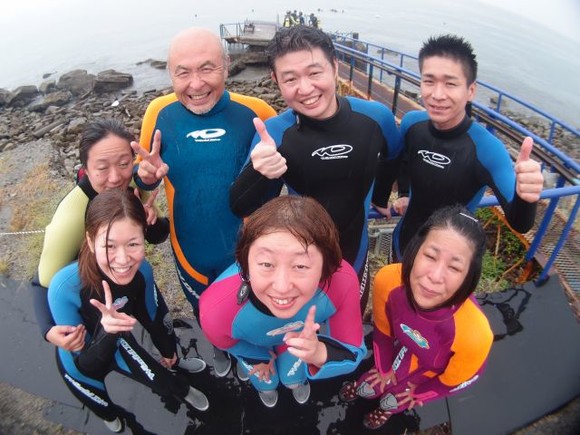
[399, 71]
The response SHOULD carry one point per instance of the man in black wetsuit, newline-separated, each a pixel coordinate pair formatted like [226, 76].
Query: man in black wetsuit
[451, 159]
[337, 150]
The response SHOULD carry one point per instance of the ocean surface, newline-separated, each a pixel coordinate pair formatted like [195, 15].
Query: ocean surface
[529, 49]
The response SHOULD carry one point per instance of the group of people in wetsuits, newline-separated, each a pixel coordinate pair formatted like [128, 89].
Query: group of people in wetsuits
[280, 283]
[295, 18]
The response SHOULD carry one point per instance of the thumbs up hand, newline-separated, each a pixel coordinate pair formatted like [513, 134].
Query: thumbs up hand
[529, 178]
[265, 156]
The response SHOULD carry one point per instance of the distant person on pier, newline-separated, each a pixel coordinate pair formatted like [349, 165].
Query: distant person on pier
[431, 338]
[449, 158]
[338, 150]
[288, 308]
[196, 139]
[313, 20]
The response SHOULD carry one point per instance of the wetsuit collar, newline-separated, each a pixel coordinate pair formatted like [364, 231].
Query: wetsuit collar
[219, 106]
[452, 133]
[338, 118]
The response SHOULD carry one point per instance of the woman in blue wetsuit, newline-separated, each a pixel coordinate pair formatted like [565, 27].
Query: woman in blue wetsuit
[288, 283]
[108, 290]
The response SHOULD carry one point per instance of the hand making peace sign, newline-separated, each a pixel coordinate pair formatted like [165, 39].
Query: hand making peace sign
[151, 167]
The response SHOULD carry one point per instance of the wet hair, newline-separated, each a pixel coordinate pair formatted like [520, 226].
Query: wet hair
[298, 38]
[302, 217]
[460, 220]
[98, 130]
[105, 209]
[453, 47]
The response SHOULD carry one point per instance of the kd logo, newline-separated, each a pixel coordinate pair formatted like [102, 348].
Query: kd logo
[435, 159]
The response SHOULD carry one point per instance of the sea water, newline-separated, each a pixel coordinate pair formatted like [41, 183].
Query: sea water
[532, 53]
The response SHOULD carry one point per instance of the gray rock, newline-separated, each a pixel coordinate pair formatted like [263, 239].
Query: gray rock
[112, 81]
[47, 86]
[4, 94]
[78, 82]
[59, 98]
[22, 96]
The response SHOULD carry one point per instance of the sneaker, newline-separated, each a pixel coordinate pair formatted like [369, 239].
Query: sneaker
[197, 399]
[115, 425]
[269, 398]
[192, 365]
[222, 363]
[302, 393]
[241, 372]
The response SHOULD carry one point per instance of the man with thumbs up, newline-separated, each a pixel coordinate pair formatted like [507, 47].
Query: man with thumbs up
[451, 159]
[337, 150]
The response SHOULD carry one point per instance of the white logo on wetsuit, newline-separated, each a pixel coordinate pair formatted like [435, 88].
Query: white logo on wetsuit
[333, 152]
[207, 135]
[435, 159]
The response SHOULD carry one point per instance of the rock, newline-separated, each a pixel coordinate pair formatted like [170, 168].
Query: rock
[22, 96]
[47, 86]
[78, 82]
[236, 67]
[4, 94]
[158, 64]
[59, 98]
[112, 81]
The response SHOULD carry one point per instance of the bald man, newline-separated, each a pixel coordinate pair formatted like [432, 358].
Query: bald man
[196, 139]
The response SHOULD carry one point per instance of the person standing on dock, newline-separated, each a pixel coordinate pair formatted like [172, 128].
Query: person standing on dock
[334, 149]
[449, 158]
[196, 139]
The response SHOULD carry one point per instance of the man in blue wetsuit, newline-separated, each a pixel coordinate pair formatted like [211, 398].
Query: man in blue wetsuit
[197, 139]
[451, 159]
[337, 150]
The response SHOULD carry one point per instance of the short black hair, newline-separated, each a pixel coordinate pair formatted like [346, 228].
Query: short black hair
[297, 38]
[459, 219]
[454, 47]
[98, 130]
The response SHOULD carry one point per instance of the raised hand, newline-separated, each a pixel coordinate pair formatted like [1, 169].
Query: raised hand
[305, 344]
[263, 370]
[71, 338]
[148, 205]
[265, 156]
[113, 322]
[529, 178]
[151, 167]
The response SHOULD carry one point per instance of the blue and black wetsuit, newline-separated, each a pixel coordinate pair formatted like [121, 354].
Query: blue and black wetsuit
[84, 372]
[337, 161]
[455, 166]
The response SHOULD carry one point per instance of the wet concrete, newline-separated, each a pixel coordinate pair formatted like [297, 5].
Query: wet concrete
[532, 371]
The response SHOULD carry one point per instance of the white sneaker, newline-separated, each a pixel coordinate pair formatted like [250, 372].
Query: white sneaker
[192, 365]
[241, 372]
[269, 398]
[222, 362]
[115, 425]
[197, 399]
[302, 393]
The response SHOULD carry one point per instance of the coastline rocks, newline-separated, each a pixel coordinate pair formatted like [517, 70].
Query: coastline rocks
[22, 96]
[78, 82]
[112, 81]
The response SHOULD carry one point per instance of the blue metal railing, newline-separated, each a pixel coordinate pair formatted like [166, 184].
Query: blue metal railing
[398, 73]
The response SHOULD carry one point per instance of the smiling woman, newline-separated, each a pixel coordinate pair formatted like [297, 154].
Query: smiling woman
[288, 281]
[431, 337]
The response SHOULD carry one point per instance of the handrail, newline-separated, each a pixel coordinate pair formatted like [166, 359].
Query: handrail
[554, 160]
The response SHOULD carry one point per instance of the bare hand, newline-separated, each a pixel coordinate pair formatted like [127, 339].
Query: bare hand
[263, 370]
[529, 178]
[408, 396]
[151, 167]
[400, 205]
[113, 322]
[71, 338]
[305, 344]
[265, 156]
[149, 205]
[383, 380]
[168, 362]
